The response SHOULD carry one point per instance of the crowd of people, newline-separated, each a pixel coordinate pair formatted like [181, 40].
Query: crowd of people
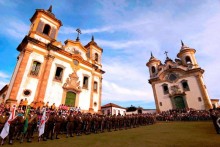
[69, 121]
[49, 122]
[183, 115]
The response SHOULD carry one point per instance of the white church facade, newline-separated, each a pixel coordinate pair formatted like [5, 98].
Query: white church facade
[49, 71]
[178, 84]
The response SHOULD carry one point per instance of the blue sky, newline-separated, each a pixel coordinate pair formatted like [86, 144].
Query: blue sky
[127, 30]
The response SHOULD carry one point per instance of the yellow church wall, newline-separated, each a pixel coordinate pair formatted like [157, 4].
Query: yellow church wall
[50, 22]
[39, 50]
[190, 55]
[71, 49]
[14, 75]
[41, 39]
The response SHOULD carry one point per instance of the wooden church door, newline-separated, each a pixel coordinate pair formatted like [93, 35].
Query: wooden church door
[179, 102]
[70, 98]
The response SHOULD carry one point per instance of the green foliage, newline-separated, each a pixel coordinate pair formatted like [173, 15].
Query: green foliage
[131, 109]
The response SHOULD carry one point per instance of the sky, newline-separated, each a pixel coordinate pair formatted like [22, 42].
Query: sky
[128, 31]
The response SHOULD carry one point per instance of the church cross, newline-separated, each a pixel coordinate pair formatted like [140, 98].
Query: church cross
[166, 53]
[78, 32]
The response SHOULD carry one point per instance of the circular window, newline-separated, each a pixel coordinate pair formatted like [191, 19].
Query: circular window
[27, 92]
[95, 104]
[172, 77]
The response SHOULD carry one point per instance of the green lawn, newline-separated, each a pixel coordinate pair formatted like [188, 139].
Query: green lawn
[161, 134]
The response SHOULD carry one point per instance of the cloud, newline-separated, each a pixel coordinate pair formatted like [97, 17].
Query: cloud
[206, 42]
[8, 3]
[72, 30]
[3, 75]
[17, 29]
[158, 31]
[124, 82]
[4, 79]
[2, 84]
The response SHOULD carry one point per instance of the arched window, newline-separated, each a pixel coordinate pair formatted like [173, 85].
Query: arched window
[153, 69]
[46, 29]
[188, 60]
[59, 73]
[185, 85]
[85, 82]
[96, 57]
[165, 89]
[35, 68]
[95, 86]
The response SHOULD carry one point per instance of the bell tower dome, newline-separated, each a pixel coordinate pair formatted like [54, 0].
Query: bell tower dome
[187, 55]
[153, 64]
[44, 25]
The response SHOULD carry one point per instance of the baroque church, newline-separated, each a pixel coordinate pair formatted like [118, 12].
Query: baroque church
[49, 71]
[178, 84]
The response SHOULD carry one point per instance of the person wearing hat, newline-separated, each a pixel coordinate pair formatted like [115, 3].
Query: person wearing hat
[32, 121]
[51, 123]
[58, 120]
[79, 123]
[13, 124]
[19, 124]
[70, 124]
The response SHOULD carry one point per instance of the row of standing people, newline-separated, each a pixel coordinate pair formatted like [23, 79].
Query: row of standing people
[68, 122]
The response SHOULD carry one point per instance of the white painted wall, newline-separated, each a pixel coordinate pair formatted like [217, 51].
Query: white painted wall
[191, 96]
[29, 82]
[54, 89]
[84, 97]
[118, 110]
[114, 110]
[96, 94]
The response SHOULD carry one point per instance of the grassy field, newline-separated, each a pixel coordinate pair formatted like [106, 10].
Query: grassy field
[184, 134]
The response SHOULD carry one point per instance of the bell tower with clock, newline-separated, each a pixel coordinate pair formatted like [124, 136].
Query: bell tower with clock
[178, 84]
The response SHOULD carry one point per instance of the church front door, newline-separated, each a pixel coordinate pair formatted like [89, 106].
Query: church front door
[179, 102]
[70, 99]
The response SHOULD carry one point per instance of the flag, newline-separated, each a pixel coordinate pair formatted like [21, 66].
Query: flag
[5, 130]
[42, 123]
[26, 120]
